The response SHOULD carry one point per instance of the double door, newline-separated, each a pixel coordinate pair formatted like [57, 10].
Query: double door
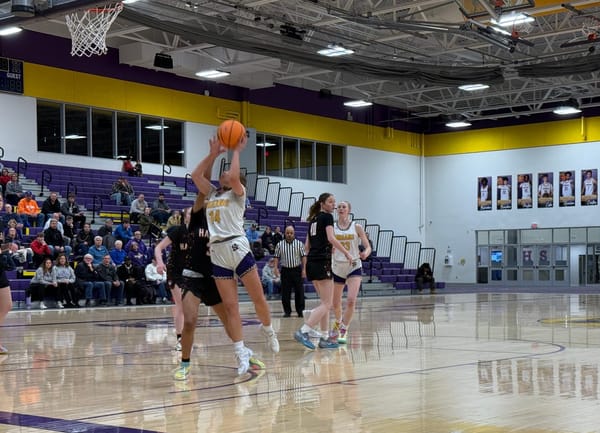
[531, 264]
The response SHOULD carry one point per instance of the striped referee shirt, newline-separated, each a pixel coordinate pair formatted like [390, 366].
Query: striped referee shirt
[290, 253]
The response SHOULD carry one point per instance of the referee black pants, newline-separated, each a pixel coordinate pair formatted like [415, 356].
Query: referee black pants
[291, 278]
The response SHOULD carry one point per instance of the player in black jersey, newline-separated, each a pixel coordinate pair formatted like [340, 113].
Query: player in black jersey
[320, 240]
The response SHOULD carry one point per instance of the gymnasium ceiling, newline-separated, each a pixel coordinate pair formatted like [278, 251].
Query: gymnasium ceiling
[409, 55]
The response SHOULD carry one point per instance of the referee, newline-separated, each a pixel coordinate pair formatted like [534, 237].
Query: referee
[290, 253]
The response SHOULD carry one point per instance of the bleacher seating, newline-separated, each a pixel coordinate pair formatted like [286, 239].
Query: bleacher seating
[93, 189]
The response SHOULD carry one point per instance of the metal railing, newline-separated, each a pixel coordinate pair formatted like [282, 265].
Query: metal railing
[185, 184]
[69, 190]
[21, 162]
[46, 177]
[96, 206]
[166, 168]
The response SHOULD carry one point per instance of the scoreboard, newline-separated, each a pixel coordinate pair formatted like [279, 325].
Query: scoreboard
[11, 75]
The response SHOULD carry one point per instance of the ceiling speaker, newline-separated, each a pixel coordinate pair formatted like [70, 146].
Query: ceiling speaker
[163, 61]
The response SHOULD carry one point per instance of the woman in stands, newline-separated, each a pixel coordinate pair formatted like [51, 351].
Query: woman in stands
[5, 301]
[351, 235]
[320, 240]
[229, 247]
[44, 284]
[65, 277]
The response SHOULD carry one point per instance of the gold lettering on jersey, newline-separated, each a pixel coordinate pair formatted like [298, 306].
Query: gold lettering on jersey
[344, 237]
[221, 202]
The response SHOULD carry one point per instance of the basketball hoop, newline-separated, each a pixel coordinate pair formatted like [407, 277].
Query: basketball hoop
[88, 31]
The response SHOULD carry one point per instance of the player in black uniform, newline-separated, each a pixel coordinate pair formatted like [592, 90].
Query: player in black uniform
[320, 240]
[5, 301]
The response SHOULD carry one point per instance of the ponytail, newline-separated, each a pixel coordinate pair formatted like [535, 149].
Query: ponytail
[316, 206]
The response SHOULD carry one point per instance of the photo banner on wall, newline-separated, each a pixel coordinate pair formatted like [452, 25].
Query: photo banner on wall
[524, 191]
[589, 187]
[484, 193]
[566, 193]
[504, 192]
[545, 190]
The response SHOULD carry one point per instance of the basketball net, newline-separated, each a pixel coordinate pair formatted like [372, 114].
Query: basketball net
[88, 31]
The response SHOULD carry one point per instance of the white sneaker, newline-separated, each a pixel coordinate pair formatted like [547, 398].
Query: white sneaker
[60, 304]
[243, 358]
[270, 339]
[313, 333]
[42, 305]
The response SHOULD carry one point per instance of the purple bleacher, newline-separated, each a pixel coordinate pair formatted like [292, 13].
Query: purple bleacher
[388, 278]
[18, 288]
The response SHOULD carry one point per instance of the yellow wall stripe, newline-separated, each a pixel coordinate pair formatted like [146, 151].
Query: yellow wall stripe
[86, 89]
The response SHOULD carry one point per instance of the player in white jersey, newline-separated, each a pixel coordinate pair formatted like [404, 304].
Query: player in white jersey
[567, 185]
[504, 189]
[525, 188]
[589, 184]
[350, 235]
[545, 187]
[230, 250]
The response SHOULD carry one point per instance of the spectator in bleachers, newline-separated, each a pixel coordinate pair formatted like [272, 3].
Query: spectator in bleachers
[106, 229]
[13, 190]
[128, 167]
[123, 232]
[59, 225]
[97, 251]
[137, 239]
[84, 239]
[21, 256]
[133, 277]
[174, 219]
[44, 285]
[40, 249]
[121, 192]
[69, 230]
[9, 213]
[160, 209]
[113, 286]
[257, 250]
[361, 247]
[158, 280]
[71, 208]
[424, 276]
[270, 277]
[51, 207]
[268, 243]
[13, 235]
[29, 211]
[137, 257]
[137, 208]
[277, 235]
[4, 179]
[55, 240]
[146, 222]
[137, 169]
[252, 234]
[65, 277]
[88, 280]
[118, 254]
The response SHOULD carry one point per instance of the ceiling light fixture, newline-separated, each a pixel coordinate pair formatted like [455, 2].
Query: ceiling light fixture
[571, 106]
[266, 144]
[458, 124]
[10, 31]
[74, 137]
[213, 73]
[358, 103]
[473, 87]
[513, 20]
[335, 50]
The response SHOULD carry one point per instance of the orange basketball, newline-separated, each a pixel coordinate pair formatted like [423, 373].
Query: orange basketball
[230, 132]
